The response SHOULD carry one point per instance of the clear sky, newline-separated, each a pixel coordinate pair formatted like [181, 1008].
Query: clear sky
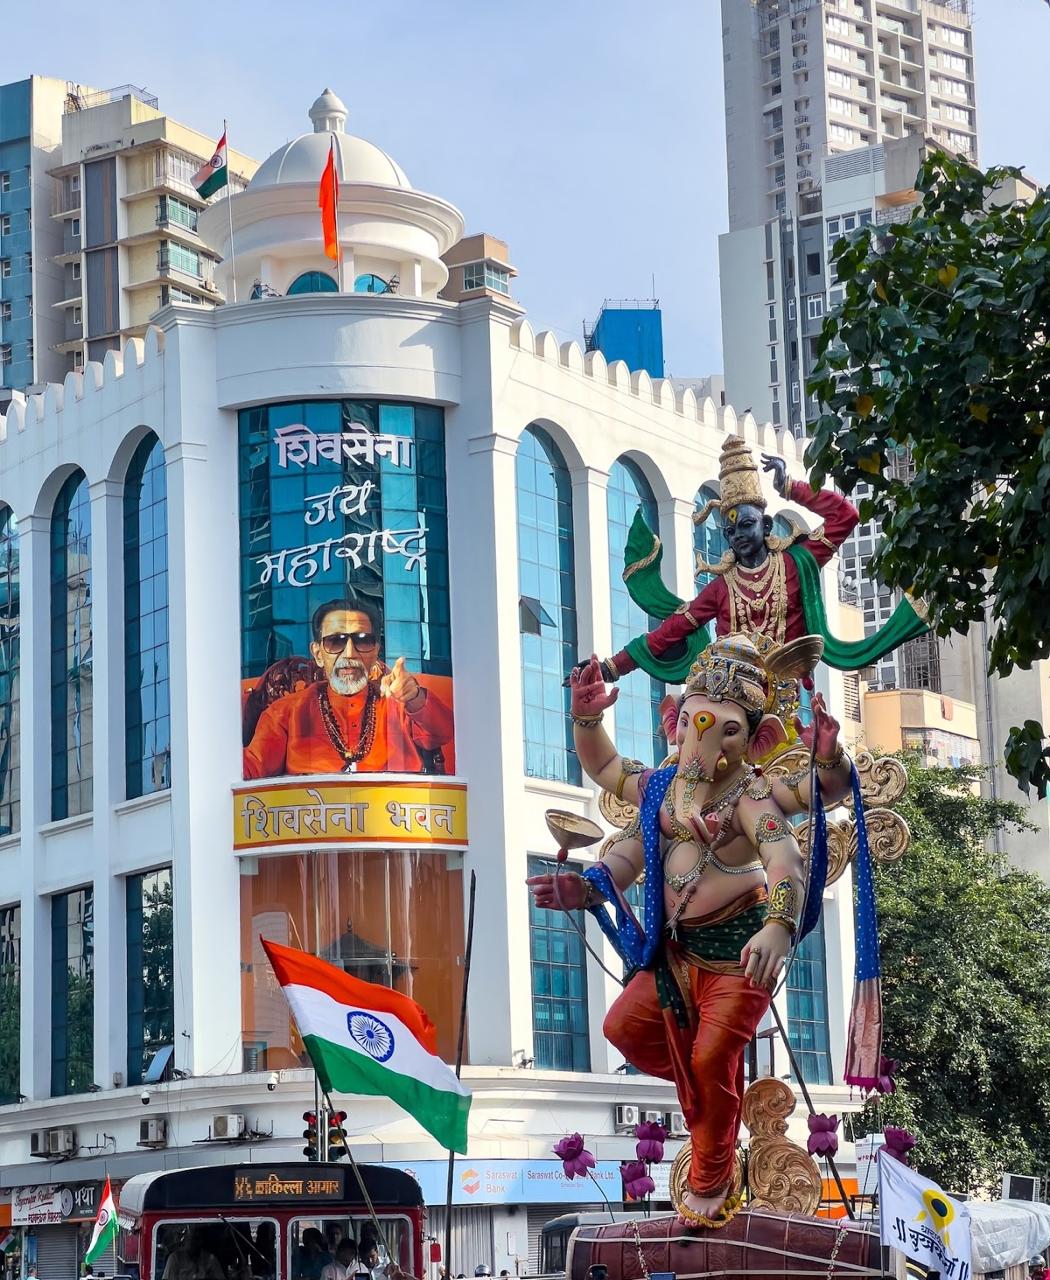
[588, 134]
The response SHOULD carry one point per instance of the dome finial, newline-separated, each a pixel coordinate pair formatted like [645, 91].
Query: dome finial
[329, 114]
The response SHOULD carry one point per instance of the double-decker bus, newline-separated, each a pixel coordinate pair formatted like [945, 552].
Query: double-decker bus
[267, 1222]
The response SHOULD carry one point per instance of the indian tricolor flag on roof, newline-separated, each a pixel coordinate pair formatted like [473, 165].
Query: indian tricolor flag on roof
[214, 173]
[364, 1038]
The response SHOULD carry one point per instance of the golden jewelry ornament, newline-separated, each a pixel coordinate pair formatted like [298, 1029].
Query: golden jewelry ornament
[769, 828]
[628, 769]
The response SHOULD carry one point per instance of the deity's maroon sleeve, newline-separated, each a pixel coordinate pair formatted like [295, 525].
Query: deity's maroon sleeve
[840, 518]
[712, 601]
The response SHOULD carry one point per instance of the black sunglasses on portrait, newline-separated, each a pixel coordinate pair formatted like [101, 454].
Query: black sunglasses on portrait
[336, 642]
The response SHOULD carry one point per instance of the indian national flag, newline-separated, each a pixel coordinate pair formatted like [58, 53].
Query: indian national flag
[213, 173]
[105, 1232]
[364, 1038]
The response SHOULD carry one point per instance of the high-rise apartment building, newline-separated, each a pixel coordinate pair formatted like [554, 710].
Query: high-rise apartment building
[30, 133]
[828, 106]
[127, 210]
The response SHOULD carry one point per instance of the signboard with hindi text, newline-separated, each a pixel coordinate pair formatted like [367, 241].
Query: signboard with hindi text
[346, 654]
[350, 813]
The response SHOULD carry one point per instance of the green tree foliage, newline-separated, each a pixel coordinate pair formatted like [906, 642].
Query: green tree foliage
[966, 988]
[939, 352]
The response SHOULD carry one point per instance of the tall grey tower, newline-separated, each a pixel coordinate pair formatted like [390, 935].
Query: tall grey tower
[828, 106]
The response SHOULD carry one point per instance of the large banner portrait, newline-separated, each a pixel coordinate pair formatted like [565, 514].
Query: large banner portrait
[345, 653]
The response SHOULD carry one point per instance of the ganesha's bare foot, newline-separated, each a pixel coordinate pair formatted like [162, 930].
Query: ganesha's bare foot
[704, 1206]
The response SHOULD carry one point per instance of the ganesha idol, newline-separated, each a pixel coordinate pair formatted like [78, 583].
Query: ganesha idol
[725, 881]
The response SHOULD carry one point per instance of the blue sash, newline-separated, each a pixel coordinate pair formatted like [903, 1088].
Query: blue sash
[636, 943]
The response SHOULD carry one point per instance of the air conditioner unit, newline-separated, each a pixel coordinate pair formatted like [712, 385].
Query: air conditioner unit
[1019, 1186]
[38, 1143]
[654, 1117]
[227, 1126]
[625, 1117]
[153, 1132]
[677, 1125]
[61, 1142]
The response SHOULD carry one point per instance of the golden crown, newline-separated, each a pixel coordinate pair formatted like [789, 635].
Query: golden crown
[738, 476]
[730, 670]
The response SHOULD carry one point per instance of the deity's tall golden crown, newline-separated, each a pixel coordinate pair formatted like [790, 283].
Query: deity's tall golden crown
[738, 476]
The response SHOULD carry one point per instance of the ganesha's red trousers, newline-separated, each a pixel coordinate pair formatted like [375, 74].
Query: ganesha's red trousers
[705, 1060]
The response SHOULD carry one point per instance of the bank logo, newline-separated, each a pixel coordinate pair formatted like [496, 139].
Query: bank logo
[470, 1181]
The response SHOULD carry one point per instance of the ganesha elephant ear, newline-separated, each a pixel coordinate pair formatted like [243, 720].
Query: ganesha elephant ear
[669, 718]
[767, 739]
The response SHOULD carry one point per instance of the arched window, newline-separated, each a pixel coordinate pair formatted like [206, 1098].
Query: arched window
[546, 605]
[9, 657]
[313, 282]
[638, 706]
[369, 283]
[147, 698]
[708, 539]
[782, 527]
[71, 682]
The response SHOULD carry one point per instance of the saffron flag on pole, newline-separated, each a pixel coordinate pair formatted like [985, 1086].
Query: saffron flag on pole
[105, 1232]
[919, 1220]
[214, 173]
[328, 203]
[364, 1038]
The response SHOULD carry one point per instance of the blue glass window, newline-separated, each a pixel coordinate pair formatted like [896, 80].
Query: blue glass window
[807, 993]
[151, 969]
[71, 682]
[546, 605]
[708, 539]
[559, 986]
[275, 615]
[313, 282]
[782, 527]
[10, 1001]
[72, 991]
[638, 732]
[369, 283]
[9, 662]
[147, 696]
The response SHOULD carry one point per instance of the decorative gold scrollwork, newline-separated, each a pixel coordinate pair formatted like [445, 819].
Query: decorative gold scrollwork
[617, 813]
[888, 835]
[781, 1174]
[882, 781]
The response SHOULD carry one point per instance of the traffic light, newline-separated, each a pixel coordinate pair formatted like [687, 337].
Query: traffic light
[310, 1134]
[337, 1147]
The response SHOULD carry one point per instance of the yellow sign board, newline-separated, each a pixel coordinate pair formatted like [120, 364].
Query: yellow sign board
[313, 813]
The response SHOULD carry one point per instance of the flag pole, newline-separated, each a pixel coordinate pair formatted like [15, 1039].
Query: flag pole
[229, 209]
[357, 1172]
[335, 215]
[459, 1064]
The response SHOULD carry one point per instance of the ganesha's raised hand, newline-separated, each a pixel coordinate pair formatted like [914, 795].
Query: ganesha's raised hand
[824, 729]
[589, 696]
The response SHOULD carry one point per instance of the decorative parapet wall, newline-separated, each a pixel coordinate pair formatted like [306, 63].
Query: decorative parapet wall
[676, 405]
[38, 423]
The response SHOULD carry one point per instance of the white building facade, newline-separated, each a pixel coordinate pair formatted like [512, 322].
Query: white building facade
[156, 560]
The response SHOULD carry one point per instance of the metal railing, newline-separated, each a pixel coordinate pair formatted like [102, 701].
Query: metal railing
[77, 99]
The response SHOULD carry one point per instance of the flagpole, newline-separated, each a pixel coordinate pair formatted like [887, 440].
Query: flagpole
[229, 208]
[335, 214]
[459, 1065]
[357, 1173]
[796, 1069]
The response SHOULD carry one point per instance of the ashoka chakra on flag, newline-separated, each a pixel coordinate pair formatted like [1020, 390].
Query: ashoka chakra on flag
[373, 1036]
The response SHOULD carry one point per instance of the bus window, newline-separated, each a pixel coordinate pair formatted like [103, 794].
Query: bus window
[314, 1243]
[234, 1249]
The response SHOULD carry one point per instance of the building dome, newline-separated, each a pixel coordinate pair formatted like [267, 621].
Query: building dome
[304, 158]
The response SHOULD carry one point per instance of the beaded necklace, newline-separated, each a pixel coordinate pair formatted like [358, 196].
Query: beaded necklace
[365, 737]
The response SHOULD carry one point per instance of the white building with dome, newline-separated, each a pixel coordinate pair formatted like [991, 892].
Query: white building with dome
[169, 520]
[388, 232]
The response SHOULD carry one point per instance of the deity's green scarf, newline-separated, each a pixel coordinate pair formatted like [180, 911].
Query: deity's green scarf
[642, 557]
